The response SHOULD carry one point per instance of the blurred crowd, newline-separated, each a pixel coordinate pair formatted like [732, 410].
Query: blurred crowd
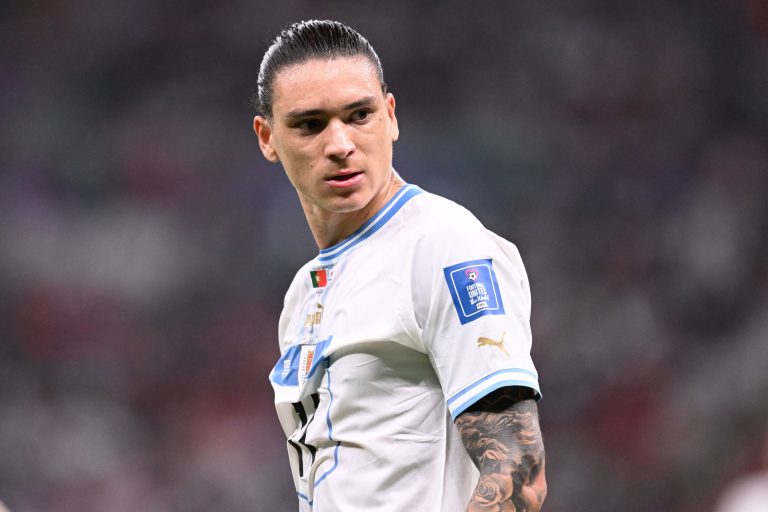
[145, 245]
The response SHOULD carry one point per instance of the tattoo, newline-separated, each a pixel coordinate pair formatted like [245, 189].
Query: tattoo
[502, 436]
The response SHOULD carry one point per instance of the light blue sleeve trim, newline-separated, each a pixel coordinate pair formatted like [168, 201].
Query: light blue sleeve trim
[486, 391]
[469, 388]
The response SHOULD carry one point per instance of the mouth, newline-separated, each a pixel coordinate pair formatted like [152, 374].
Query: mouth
[344, 178]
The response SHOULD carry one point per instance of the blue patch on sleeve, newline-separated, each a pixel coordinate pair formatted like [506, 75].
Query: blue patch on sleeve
[474, 289]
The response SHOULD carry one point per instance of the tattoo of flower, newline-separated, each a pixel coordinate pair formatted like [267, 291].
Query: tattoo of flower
[502, 436]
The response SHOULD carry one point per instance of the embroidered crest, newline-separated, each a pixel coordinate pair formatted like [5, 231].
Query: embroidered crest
[474, 289]
[305, 362]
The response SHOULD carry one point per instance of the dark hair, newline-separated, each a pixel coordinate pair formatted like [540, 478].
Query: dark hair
[306, 40]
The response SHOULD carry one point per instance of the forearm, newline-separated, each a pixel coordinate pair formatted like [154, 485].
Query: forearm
[506, 490]
[503, 438]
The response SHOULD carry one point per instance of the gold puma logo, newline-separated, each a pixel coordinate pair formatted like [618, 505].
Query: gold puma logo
[483, 341]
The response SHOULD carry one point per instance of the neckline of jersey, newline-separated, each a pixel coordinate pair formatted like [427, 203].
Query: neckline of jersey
[372, 225]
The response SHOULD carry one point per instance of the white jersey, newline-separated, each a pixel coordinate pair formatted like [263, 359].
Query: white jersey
[385, 338]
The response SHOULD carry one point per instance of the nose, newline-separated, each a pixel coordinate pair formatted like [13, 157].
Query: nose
[339, 144]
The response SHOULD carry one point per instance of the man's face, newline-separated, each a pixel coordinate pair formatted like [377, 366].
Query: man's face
[332, 129]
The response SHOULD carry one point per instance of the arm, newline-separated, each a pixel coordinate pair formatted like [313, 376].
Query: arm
[502, 436]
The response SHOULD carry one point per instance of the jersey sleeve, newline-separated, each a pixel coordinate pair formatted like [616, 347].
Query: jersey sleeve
[472, 298]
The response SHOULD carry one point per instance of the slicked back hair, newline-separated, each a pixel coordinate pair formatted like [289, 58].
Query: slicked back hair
[306, 40]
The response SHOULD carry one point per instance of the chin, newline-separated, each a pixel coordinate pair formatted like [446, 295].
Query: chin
[347, 206]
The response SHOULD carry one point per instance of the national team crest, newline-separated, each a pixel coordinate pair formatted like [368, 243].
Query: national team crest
[474, 289]
[305, 361]
[299, 365]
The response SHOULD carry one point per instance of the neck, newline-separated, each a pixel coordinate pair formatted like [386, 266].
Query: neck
[330, 228]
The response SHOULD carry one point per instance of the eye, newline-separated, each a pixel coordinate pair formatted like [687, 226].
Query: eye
[360, 115]
[310, 125]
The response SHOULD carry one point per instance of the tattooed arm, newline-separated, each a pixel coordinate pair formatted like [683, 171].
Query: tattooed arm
[502, 436]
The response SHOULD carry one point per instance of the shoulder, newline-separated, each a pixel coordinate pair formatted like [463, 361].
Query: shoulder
[446, 234]
[441, 213]
[443, 224]
[294, 297]
[432, 221]
[747, 494]
[300, 282]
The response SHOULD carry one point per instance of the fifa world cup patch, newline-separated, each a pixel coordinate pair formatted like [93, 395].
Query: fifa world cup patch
[474, 289]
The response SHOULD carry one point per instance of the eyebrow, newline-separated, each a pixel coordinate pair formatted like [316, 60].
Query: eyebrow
[365, 101]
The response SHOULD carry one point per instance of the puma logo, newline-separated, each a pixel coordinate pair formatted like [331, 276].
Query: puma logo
[482, 341]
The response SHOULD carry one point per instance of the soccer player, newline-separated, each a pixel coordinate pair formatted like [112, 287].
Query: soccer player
[405, 381]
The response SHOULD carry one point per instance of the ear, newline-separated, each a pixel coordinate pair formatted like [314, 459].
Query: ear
[389, 100]
[264, 133]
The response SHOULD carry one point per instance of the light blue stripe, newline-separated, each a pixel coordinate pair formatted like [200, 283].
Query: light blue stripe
[330, 434]
[335, 464]
[393, 199]
[372, 225]
[490, 389]
[490, 376]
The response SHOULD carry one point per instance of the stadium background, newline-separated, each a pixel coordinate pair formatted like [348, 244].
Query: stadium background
[145, 245]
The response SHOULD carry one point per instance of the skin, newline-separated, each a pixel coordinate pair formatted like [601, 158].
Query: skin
[332, 129]
[502, 436]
